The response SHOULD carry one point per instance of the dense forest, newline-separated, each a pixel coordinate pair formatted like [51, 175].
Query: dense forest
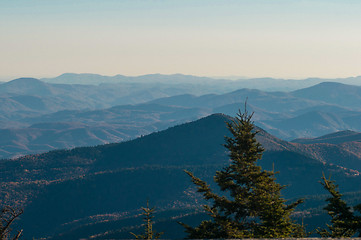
[244, 201]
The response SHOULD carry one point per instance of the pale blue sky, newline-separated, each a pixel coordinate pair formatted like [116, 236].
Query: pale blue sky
[275, 38]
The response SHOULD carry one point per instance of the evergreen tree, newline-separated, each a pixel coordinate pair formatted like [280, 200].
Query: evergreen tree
[252, 206]
[343, 221]
[148, 226]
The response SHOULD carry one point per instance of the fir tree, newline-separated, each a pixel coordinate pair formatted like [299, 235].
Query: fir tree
[252, 206]
[148, 226]
[343, 221]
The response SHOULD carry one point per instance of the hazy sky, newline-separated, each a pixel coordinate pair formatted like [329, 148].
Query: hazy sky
[275, 38]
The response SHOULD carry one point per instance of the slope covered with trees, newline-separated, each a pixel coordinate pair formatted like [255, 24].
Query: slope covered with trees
[89, 186]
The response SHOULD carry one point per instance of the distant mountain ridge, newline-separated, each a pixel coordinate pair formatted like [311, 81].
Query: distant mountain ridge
[68, 129]
[86, 78]
[331, 92]
[121, 111]
[333, 138]
[29, 97]
[267, 84]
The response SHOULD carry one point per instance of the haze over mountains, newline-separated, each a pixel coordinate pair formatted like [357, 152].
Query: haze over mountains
[217, 83]
[154, 127]
[38, 116]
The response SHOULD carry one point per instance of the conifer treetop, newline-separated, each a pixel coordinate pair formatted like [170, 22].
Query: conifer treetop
[251, 205]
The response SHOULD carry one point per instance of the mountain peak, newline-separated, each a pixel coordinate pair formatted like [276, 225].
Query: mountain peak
[26, 86]
[328, 85]
[332, 138]
[25, 81]
[331, 84]
[332, 92]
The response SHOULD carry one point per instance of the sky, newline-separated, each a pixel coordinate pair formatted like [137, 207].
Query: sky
[249, 38]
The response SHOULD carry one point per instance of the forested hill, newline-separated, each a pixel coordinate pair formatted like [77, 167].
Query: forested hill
[70, 189]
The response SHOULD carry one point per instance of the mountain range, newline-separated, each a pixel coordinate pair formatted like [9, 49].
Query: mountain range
[74, 128]
[38, 116]
[217, 84]
[88, 191]
[127, 140]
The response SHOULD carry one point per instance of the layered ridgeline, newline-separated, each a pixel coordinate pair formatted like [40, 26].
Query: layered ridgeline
[71, 128]
[221, 83]
[97, 191]
[38, 116]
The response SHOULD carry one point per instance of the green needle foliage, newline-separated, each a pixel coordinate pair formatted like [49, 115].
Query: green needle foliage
[344, 223]
[252, 206]
[148, 226]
